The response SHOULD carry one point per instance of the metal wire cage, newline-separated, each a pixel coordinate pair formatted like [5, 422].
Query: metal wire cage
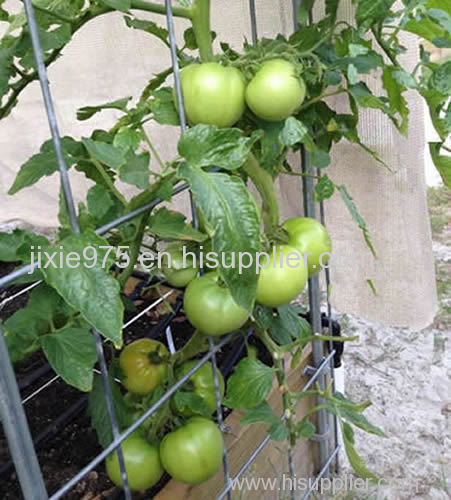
[21, 445]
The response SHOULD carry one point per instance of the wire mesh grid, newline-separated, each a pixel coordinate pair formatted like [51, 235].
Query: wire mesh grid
[22, 447]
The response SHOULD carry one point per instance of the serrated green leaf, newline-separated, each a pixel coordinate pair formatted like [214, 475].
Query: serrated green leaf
[374, 10]
[190, 39]
[171, 225]
[297, 326]
[44, 163]
[148, 27]
[441, 162]
[262, 413]
[295, 132]
[105, 153]
[278, 431]
[320, 158]
[100, 202]
[350, 205]
[127, 138]
[163, 108]
[87, 111]
[92, 291]
[229, 209]
[324, 188]
[71, 353]
[397, 102]
[121, 5]
[209, 146]
[425, 28]
[24, 327]
[354, 459]
[16, 246]
[135, 170]
[305, 429]
[441, 79]
[190, 402]
[249, 385]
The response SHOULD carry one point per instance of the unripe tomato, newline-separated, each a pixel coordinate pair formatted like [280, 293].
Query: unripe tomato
[143, 364]
[309, 235]
[142, 463]
[275, 92]
[193, 453]
[282, 280]
[211, 308]
[212, 94]
[177, 274]
[201, 383]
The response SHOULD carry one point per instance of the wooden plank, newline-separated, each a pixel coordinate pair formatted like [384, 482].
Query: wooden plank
[271, 463]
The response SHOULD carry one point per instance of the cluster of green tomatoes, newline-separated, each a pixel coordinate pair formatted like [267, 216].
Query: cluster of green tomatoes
[192, 453]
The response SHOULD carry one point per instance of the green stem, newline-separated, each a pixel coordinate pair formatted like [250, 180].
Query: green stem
[200, 18]
[108, 181]
[134, 250]
[264, 183]
[321, 97]
[154, 152]
[160, 8]
[196, 344]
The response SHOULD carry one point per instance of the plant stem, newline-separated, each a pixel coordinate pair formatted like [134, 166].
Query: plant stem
[160, 8]
[264, 183]
[108, 181]
[134, 250]
[154, 152]
[321, 97]
[200, 17]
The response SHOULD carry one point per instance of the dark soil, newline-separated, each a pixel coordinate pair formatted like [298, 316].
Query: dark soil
[71, 443]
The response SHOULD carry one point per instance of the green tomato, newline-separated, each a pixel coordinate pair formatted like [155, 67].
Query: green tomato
[212, 94]
[210, 307]
[310, 237]
[275, 92]
[201, 384]
[193, 453]
[143, 364]
[283, 279]
[142, 463]
[177, 272]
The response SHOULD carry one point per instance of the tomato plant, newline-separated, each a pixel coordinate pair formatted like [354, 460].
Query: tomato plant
[143, 364]
[210, 307]
[142, 463]
[309, 235]
[193, 453]
[275, 92]
[212, 94]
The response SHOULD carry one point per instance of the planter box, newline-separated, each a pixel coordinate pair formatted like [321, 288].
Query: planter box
[271, 463]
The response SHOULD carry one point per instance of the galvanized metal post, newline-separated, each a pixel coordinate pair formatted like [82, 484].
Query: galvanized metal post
[17, 432]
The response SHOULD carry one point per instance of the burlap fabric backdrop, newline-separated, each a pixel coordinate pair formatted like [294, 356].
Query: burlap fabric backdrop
[106, 60]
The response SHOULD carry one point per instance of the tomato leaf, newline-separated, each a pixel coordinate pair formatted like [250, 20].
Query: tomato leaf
[295, 132]
[229, 210]
[354, 458]
[23, 328]
[374, 10]
[90, 290]
[135, 170]
[16, 246]
[390, 80]
[122, 5]
[105, 153]
[440, 79]
[249, 385]
[305, 429]
[44, 163]
[350, 205]
[264, 414]
[170, 225]
[149, 27]
[87, 112]
[127, 138]
[441, 162]
[190, 401]
[71, 352]
[163, 109]
[208, 146]
[324, 188]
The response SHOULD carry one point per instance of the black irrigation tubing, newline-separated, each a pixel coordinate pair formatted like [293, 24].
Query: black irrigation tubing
[53, 429]
[34, 375]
